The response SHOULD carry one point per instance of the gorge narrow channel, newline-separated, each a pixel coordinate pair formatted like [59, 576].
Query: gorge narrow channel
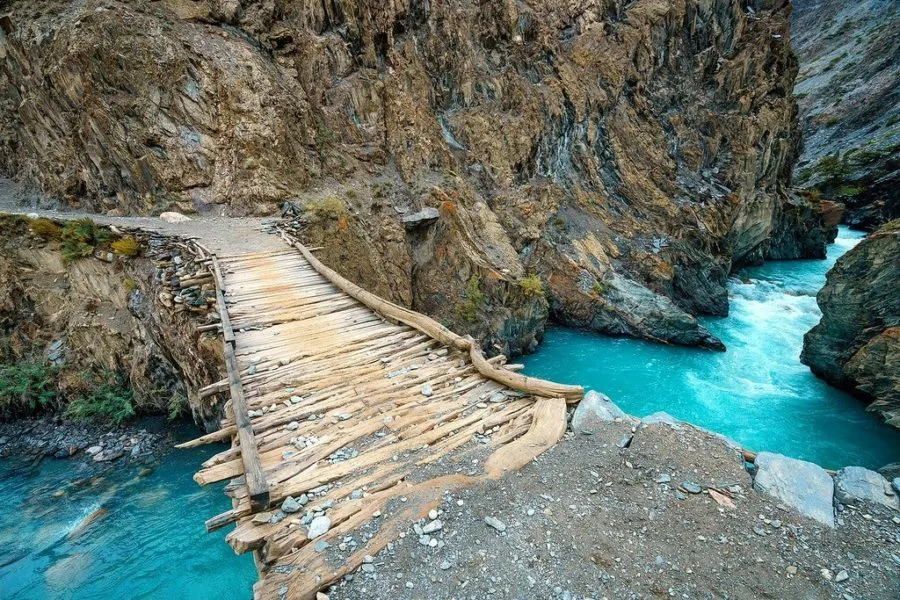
[67, 532]
[757, 393]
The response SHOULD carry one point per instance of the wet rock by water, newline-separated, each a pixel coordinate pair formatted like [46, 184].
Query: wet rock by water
[802, 485]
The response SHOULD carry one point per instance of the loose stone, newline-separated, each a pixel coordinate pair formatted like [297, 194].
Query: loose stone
[291, 505]
[495, 523]
[318, 526]
[432, 527]
[691, 487]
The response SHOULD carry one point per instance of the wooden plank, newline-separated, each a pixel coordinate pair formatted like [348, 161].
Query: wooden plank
[227, 331]
[258, 488]
[256, 481]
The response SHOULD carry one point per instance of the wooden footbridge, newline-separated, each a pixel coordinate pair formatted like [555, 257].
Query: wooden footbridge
[352, 416]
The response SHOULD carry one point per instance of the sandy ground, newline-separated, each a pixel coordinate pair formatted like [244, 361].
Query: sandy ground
[591, 520]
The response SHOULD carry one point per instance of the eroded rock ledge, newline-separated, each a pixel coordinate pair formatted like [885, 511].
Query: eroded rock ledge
[856, 344]
[137, 317]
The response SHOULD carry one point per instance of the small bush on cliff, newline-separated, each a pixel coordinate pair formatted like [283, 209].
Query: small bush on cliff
[27, 387]
[601, 288]
[323, 209]
[532, 286]
[832, 167]
[127, 246]
[467, 308]
[46, 229]
[81, 237]
[105, 396]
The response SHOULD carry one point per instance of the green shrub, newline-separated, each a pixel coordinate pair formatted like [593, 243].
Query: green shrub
[27, 387]
[467, 308]
[831, 167]
[106, 397]
[178, 407]
[850, 190]
[532, 286]
[322, 209]
[601, 288]
[46, 229]
[127, 246]
[81, 237]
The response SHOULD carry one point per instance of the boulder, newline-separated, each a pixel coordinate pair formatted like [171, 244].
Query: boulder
[890, 470]
[594, 409]
[805, 486]
[857, 484]
[174, 217]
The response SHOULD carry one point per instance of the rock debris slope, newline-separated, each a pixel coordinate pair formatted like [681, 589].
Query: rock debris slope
[605, 163]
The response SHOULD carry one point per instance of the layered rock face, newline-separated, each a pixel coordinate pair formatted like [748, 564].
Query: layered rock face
[856, 345]
[600, 162]
[849, 95]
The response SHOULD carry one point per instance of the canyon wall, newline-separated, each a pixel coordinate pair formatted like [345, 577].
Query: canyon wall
[848, 90]
[494, 164]
[856, 345]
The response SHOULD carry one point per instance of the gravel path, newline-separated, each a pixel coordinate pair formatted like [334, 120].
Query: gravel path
[222, 235]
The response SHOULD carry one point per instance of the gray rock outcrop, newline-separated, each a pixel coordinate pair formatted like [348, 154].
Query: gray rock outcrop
[594, 409]
[856, 344]
[857, 484]
[802, 485]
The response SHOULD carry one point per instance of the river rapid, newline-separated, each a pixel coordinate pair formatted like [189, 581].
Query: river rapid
[758, 392]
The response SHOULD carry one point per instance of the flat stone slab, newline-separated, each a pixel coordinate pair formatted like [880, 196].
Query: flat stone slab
[802, 485]
[857, 484]
[423, 217]
[593, 410]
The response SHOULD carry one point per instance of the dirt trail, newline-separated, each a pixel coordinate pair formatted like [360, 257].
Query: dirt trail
[222, 235]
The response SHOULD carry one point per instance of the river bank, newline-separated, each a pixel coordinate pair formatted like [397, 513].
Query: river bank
[54, 436]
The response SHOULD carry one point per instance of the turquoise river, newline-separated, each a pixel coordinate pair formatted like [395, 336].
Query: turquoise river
[134, 535]
[758, 392]
[119, 536]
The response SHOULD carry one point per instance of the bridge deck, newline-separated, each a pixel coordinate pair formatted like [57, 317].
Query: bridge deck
[367, 420]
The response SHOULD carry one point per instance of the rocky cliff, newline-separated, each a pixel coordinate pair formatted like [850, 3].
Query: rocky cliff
[495, 164]
[106, 314]
[848, 90]
[856, 345]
